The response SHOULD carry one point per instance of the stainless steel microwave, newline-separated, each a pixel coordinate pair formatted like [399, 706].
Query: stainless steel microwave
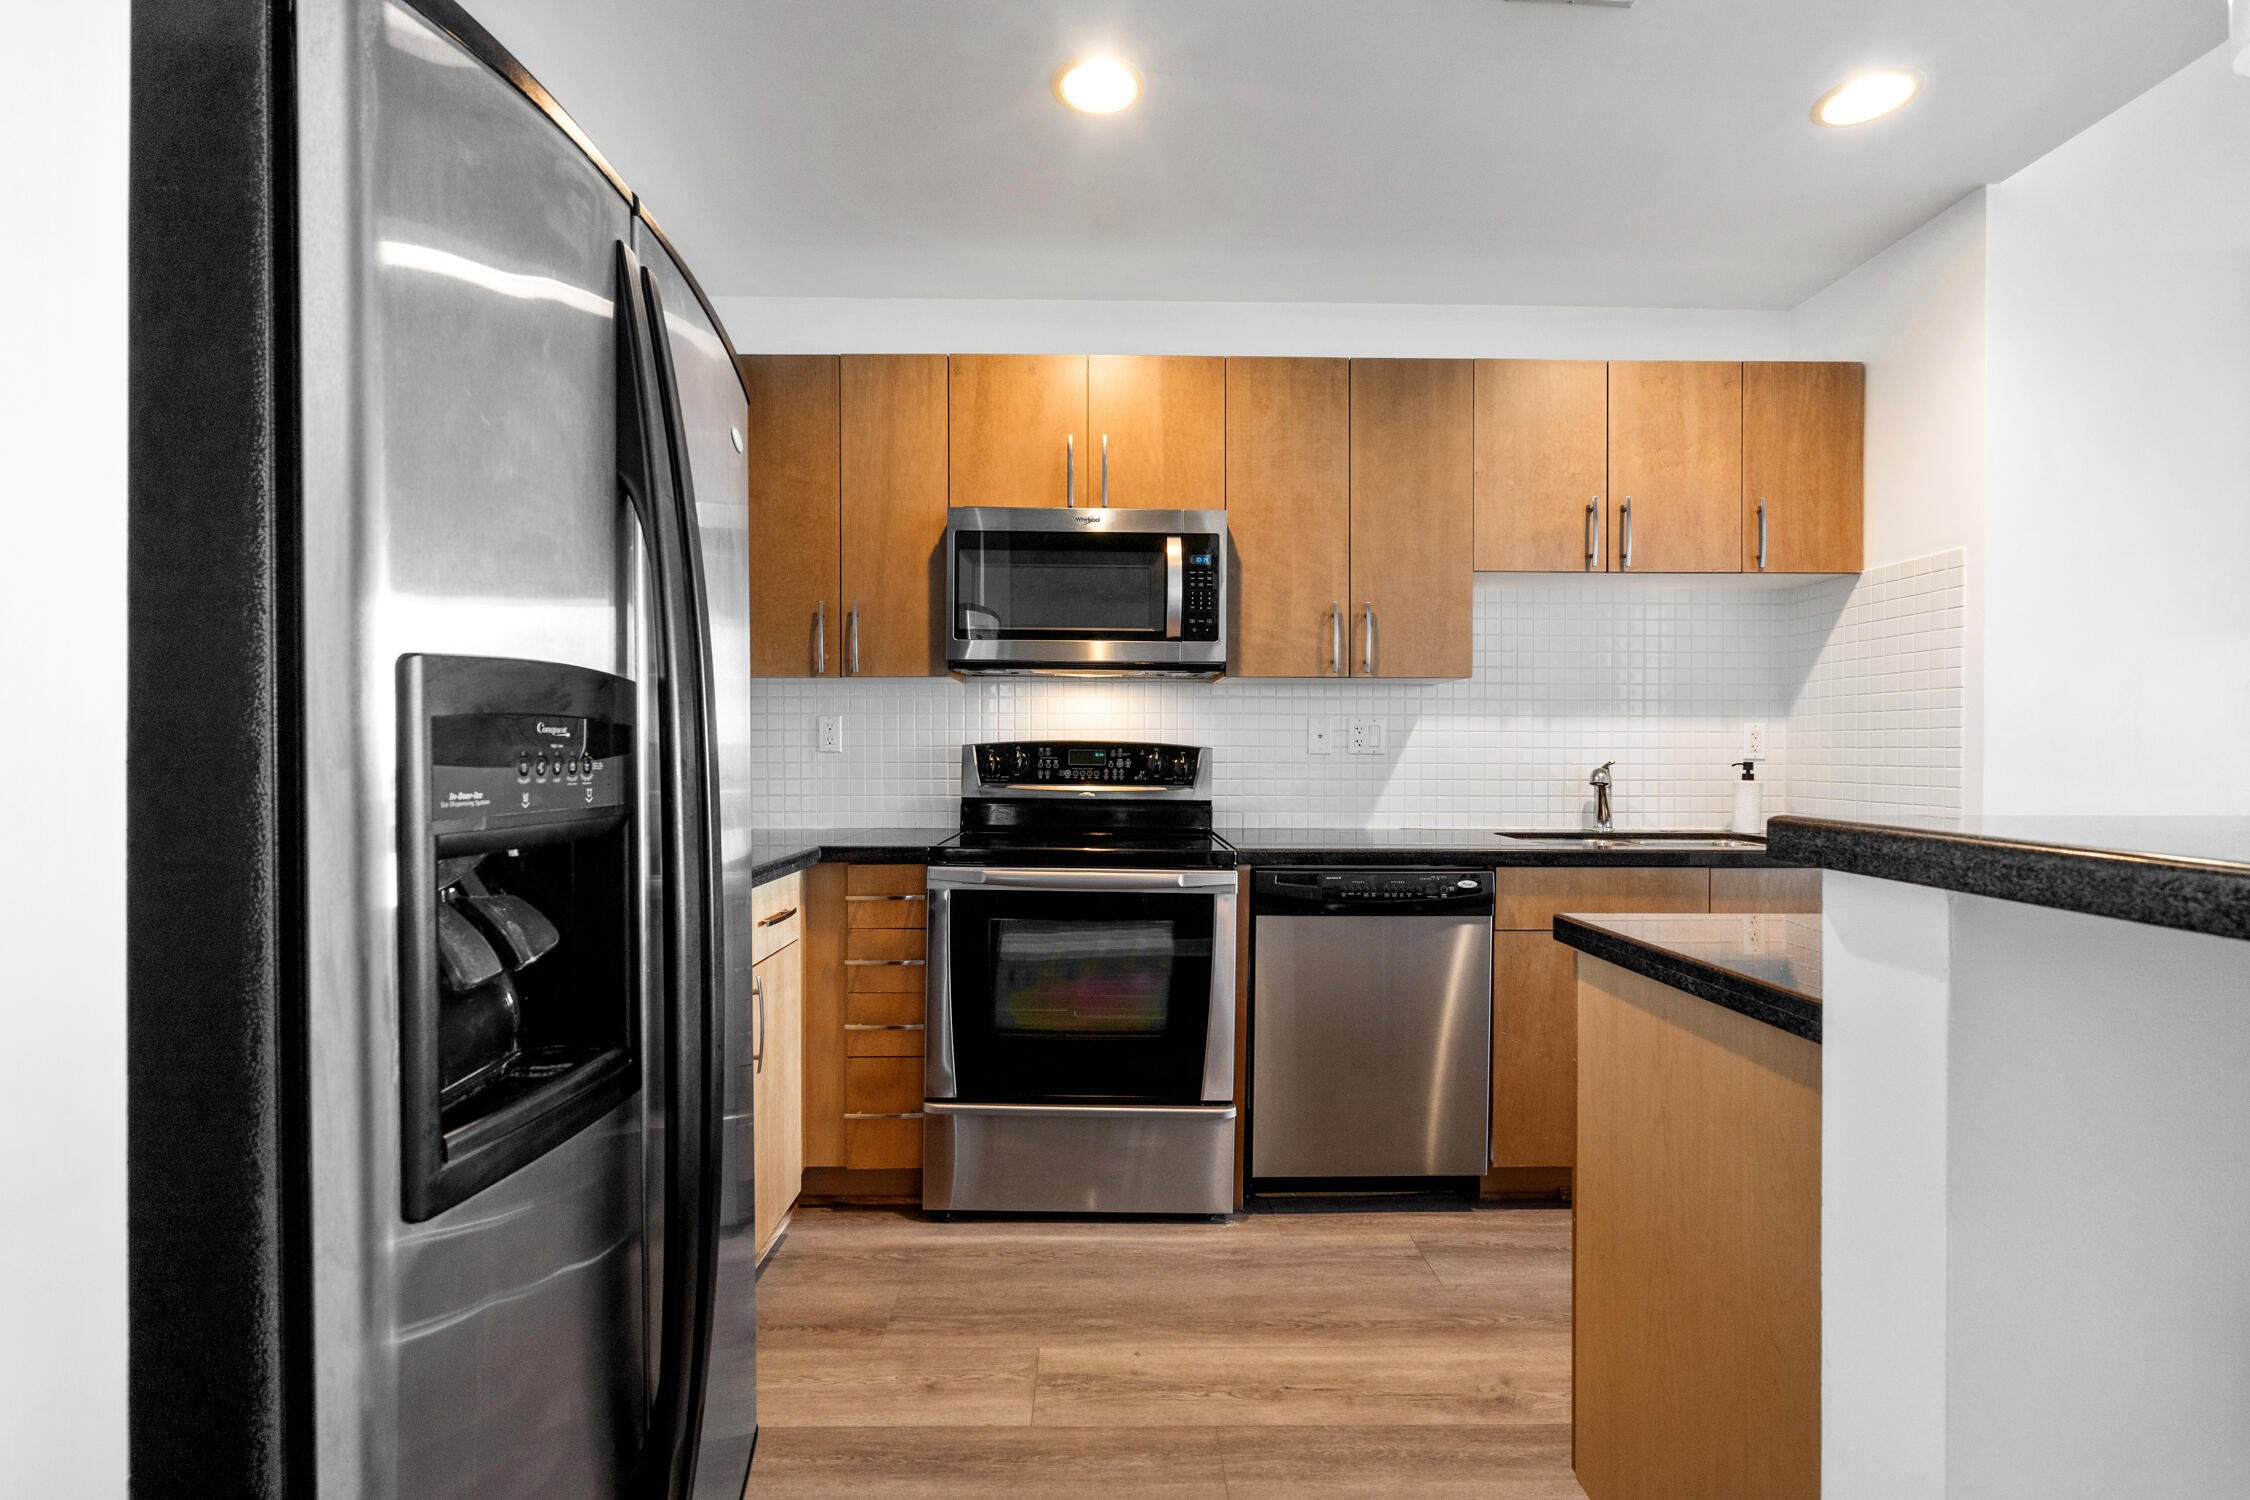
[1114, 592]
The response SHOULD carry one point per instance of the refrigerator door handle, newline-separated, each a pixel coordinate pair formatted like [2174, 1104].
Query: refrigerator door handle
[647, 473]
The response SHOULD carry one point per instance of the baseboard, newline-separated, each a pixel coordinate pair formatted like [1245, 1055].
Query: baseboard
[844, 1185]
[1526, 1182]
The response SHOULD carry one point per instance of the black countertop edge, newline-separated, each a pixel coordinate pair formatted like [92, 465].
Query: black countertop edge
[1784, 1010]
[2157, 890]
[1500, 856]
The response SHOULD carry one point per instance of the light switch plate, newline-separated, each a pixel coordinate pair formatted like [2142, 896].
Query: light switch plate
[831, 734]
[1320, 736]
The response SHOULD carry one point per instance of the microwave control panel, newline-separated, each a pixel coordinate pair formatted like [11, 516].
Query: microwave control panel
[1199, 600]
[1065, 762]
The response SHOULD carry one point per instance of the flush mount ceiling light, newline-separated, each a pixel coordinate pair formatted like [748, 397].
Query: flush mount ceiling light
[1098, 86]
[1867, 98]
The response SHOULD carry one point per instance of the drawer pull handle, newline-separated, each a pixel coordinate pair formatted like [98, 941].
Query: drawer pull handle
[909, 1115]
[917, 896]
[779, 916]
[884, 963]
[864, 1026]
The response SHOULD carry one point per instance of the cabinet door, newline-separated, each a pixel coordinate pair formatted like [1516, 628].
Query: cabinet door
[1542, 465]
[1802, 466]
[1413, 465]
[1675, 466]
[893, 504]
[1288, 453]
[791, 439]
[1018, 429]
[776, 1090]
[1164, 421]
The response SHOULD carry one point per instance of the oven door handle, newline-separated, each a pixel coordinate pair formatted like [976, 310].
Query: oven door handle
[1085, 1111]
[1086, 880]
[1175, 586]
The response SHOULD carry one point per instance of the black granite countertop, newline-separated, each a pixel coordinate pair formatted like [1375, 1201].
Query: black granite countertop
[782, 851]
[2189, 873]
[1469, 848]
[1764, 966]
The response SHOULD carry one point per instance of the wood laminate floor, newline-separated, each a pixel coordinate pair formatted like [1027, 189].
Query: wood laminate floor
[1307, 1356]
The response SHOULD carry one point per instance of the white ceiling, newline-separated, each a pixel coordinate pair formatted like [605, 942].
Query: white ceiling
[1473, 151]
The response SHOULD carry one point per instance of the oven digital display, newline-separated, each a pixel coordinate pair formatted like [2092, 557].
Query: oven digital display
[1089, 757]
[1081, 978]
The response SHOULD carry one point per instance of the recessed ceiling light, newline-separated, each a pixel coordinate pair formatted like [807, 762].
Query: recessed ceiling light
[1865, 99]
[1098, 86]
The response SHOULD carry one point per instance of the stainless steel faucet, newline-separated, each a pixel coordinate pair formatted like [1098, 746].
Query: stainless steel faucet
[1599, 781]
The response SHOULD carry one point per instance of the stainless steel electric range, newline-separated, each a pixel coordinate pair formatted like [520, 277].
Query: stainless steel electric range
[1081, 1010]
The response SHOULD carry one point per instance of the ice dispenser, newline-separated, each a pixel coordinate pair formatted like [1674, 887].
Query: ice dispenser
[518, 1025]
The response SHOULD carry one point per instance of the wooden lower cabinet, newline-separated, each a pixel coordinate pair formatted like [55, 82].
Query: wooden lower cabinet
[1534, 997]
[863, 1044]
[1696, 1249]
[1770, 890]
[777, 1090]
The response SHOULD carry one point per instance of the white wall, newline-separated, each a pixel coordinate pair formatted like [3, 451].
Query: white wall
[62, 634]
[1915, 315]
[2118, 499]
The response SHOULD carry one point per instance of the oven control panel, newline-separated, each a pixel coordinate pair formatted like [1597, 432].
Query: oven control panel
[1088, 762]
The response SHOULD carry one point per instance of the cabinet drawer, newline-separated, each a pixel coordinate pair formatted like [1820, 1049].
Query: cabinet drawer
[1528, 899]
[883, 1009]
[1785, 890]
[864, 1039]
[875, 943]
[879, 1145]
[885, 961]
[884, 880]
[879, 912]
[884, 1087]
[777, 915]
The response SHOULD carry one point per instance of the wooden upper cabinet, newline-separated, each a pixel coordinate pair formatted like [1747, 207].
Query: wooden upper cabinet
[1675, 466]
[1288, 486]
[1542, 465]
[892, 593]
[1014, 419]
[791, 442]
[1802, 460]
[1165, 421]
[1413, 465]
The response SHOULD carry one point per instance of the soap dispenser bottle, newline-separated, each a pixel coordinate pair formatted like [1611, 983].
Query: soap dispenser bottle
[1749, 817]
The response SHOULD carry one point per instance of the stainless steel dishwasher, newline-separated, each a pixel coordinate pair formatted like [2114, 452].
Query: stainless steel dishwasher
[1371, 1027]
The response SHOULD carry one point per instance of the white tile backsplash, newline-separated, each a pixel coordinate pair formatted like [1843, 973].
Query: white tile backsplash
[1658, 675]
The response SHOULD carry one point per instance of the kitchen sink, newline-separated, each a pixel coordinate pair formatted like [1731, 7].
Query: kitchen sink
[1628, 841]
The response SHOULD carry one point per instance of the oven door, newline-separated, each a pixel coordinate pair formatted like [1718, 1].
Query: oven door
[1081, 986]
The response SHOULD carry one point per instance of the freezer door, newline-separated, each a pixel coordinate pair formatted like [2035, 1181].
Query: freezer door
[714, 412]
[456, 266]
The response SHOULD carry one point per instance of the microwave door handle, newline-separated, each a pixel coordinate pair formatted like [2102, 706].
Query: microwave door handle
[1175, 586]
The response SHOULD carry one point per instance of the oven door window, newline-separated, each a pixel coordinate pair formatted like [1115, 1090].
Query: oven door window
[1080, 996]
[1034, 586]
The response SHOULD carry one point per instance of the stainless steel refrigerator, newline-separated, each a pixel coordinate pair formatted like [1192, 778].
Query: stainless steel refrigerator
[438, 894]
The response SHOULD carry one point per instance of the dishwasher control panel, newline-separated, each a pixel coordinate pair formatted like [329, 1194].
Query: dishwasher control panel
[1372, 890]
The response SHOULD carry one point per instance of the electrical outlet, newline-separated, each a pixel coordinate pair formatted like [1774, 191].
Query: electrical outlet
[1753, 742]
[1365, 737]
[831, 734]
[1320, 736]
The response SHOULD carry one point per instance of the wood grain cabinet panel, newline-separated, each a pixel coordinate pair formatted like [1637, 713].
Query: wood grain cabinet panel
[1413, 465]
[1770, 890]
[1012, 419]
[1542, 433]
[777, 1091]
[893, 502]
[1803, 463]
[1534, 996]
[1696, 1253]
[1675, 466]
[882, 1113]
[1288, 462]
[791, 440]
[826, 1007]
[1165, 419]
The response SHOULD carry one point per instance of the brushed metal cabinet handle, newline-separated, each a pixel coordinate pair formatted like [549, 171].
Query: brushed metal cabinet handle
[1070, 471]
[758, 1053]
[1367, 644]
[1593, 538]
[1105, 471]
[779, 916]
[1335, 637]
[851, 641]
[866, 1026]
[1761, 533]
[1627, 539]
[885, 963]
[820, 639]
